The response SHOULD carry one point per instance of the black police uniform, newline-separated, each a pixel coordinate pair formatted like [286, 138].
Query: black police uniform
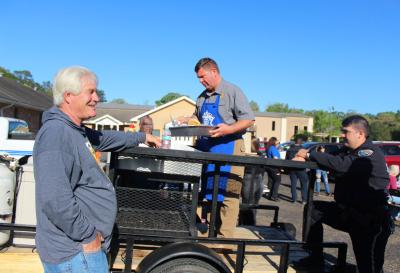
[360, 206]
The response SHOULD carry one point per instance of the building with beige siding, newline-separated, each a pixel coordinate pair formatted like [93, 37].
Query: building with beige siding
[283, 126]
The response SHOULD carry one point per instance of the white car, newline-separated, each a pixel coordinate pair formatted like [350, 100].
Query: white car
[283, 147]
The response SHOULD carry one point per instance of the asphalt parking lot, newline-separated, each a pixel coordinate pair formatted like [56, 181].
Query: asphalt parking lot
[293, 212]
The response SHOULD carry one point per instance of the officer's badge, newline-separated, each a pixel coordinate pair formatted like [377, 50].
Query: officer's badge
[365, 153]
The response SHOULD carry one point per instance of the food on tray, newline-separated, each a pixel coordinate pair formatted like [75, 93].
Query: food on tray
[194, 122]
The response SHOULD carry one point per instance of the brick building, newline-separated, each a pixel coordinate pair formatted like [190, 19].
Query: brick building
[22, 102]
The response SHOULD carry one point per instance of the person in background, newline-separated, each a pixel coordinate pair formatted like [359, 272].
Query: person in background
[274, 174]
[146, 125]
[394, 198]
[224, 106]
[254, 144]
[321, 174]
[76, 204]
[360, 207]
[261, 147]
[297, 174]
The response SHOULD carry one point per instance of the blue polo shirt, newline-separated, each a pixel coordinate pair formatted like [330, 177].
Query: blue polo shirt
[273, 152]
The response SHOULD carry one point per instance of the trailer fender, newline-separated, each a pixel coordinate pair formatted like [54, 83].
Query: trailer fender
[181, 250]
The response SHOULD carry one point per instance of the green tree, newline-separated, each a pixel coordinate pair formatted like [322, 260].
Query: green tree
[326, 122]
[118, 101]
[380, 131]
[254, 106]
[306, 136]
[102, 95]
[25, 77]
[385, 126]
[7, 74]
[278, 107]
[396, 134]
[168, 97]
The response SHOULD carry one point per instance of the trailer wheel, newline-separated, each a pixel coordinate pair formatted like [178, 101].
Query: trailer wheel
[185, 265]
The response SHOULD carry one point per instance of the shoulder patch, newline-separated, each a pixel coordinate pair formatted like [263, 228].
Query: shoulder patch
[365, 153]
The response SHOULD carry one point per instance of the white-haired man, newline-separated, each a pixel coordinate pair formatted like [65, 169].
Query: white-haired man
[75, 201]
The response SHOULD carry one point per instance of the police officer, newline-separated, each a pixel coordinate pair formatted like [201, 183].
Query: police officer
[360, 206]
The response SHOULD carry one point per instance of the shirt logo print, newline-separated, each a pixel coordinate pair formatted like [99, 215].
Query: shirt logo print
[208, 118]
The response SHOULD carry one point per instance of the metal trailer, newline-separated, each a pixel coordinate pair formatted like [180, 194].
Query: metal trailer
[174, 243]
[176, 232]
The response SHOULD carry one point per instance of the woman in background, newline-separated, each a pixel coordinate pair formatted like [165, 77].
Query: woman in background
[274, 174]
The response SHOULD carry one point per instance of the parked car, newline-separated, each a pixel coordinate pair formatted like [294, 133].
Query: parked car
[330, 148]
[391, 150]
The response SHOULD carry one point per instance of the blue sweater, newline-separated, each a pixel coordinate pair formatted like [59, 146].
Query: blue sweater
[74, 197]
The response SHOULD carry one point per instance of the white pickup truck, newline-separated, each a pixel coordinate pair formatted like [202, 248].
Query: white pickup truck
[15, 139]
[16, 181]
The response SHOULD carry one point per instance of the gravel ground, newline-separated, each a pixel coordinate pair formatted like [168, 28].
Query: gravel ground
[293, 213]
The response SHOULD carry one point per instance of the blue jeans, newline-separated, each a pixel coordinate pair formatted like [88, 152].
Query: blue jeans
[324, 175]
[395, 211]
[93, 262]
[303, 177]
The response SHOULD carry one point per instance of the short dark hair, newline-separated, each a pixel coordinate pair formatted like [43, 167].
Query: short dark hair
[206, 63]
[272, 141]
[357, 121]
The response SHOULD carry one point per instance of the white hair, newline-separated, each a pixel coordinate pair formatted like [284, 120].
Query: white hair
[70, 79]
[394, 170]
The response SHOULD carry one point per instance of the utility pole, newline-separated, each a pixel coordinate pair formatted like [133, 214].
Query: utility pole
[331, 109]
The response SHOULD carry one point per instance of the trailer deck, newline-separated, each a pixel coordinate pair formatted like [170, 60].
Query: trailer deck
[257, 258]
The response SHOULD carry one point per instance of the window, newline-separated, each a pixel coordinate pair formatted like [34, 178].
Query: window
[296, 129]
[273, 126]
[390, 150]
[305, 128]
[18, 127]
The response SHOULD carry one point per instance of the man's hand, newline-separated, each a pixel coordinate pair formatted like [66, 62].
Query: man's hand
[152, 141]
[302, 153]
[94, 245]
[221, 130]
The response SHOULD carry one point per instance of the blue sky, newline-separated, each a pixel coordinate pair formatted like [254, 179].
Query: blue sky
[309, 54]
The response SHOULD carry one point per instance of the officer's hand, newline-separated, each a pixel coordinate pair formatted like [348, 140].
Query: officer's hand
[302, 153]
[152, 141]
[221, 130]
[94, 245]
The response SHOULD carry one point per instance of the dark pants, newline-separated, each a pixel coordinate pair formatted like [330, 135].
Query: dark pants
[252, 190]
[369, 232]
[274, 176]
[303, 177]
